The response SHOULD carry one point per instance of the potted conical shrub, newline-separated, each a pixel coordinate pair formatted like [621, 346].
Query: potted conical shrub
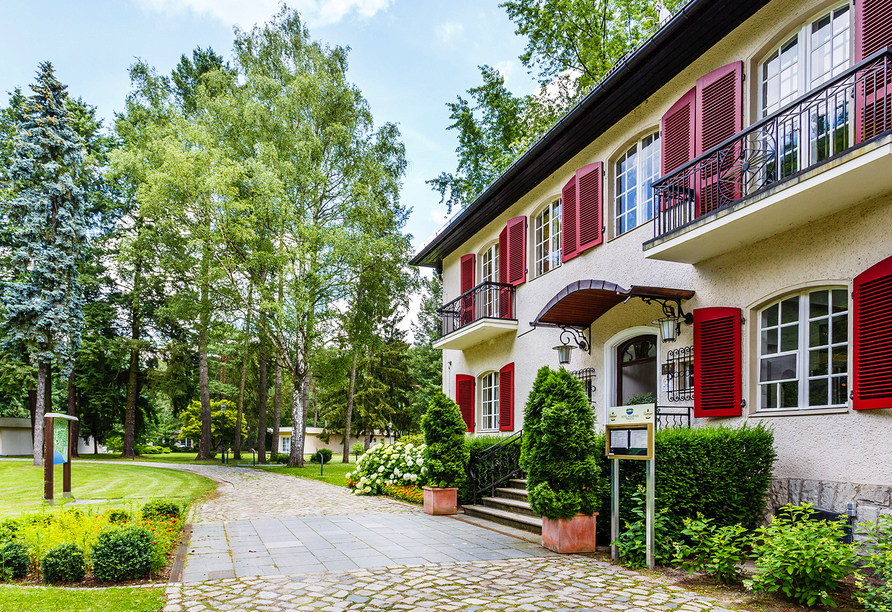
[560, 457]
[446, 456]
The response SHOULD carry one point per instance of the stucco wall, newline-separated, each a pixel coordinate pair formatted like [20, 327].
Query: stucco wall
[843, 446]
[15, 439]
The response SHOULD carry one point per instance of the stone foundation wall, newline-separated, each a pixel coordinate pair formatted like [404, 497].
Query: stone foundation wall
[870, 500]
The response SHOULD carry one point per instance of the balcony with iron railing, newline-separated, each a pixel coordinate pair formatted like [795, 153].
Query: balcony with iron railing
[477, 315]
[818, 155]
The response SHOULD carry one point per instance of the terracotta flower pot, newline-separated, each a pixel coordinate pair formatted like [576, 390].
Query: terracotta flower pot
[441, 501]
[575, 535]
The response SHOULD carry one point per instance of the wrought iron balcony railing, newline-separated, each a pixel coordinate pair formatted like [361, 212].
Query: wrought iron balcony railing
[842, 113]
[485, 301]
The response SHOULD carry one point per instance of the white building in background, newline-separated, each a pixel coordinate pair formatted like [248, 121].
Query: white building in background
[313, 443]
[733, 174]
[15, 439]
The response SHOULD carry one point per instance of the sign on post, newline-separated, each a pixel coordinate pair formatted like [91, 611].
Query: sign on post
[56, 450]
[630, 435]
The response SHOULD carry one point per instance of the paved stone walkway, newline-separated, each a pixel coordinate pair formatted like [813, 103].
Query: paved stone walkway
[554, 584]
[330, 543]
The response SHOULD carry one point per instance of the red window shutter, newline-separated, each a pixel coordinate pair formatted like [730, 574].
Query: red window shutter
[464, 397]
[517, 250]
[677, 134]
[872, 344]
[589, 206]
[719, 117]
[717, 366]
[506, 398]
[504, 296]
[873, 103]
[569, 240]
[468, 269]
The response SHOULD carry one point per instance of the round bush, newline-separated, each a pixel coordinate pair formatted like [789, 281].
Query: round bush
[387, 464]
[64, 563]
[446, 454]
[117, 516]
[13, 560]
[158, 508]
[122, 554]
[322, 452]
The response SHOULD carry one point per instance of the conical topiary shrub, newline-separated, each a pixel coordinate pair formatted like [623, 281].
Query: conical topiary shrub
[560, 453]
[446, 456]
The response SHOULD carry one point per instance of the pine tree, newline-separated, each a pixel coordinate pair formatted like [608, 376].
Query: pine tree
[44, 300]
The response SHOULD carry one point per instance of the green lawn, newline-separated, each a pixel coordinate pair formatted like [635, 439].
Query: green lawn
[21, 485]
[333, 473]
[179, 458]
[81, 600]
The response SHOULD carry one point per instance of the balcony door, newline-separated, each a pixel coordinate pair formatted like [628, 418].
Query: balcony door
[806, 60]
[636, 368]
[489, 262]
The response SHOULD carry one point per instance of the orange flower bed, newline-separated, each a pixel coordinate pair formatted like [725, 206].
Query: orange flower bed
[407, 493]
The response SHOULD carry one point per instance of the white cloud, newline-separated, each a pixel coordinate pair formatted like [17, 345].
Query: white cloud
[248, 13]
[439, 216]
[449, 31]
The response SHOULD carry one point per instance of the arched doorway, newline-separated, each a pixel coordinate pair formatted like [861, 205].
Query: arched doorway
[636, 367]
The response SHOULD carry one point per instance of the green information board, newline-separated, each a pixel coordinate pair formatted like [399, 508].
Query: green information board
[60, 441]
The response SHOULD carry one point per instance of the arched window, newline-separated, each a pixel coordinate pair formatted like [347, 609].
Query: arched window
[635, 172]
[489, 405]
[547, 238]
[636, 368]
[803, 350]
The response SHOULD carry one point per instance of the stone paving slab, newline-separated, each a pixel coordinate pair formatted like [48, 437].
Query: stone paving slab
[555, 583]
[291, 545]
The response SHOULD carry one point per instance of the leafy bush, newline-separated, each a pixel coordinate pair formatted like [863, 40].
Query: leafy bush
[122, 554]
[877, 556]
[445, 454]
[13, 560]
[722, 472]
[802, 558]
[407, 493]
[717, 551]
[64, 563]
[416, 438]
[116, 515]
[559, 452]
[321, 453]
[387, 464]
[9, 530]
[158, 508]
[359, 448]
[641, 398]
[632, 541]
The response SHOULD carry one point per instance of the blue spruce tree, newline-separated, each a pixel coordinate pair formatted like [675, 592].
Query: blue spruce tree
[45, 213]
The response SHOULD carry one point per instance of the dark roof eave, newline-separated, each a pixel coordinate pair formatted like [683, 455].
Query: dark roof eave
[690, 33]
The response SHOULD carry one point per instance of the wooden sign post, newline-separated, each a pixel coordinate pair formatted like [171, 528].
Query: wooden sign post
[56, 449]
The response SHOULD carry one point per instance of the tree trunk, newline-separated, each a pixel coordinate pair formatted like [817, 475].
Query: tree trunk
[367, 441]
[39, 410]
[32, 408]
[95, 446]
[261, 395]
[204, 447]
[72, 411]
[347, 424]
[296, 458]
[241, 382]
[277, 401]
[129, 449]
[305, 402]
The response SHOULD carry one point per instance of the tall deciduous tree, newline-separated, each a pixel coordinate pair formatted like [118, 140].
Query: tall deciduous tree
[44, 300]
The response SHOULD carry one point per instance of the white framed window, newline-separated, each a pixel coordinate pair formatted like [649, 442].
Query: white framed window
[286, 444]
[547, 238]
[489, 405]
[635, 172]
[489, 263]
[804, 350]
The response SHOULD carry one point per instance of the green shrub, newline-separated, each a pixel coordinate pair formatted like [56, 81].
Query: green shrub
[632, 541]
[122, 554]
[158, 508]
[802, 558]
[13, 560]
[717, 551]
[877, 556]
[560, 454]
[718, 471]
[359, 448]
[64, 563]
[416, 439]
[117, 515]
[320, 454]
[164, 450]
[641, 398]
[446, 456]
[387, 464]
[9, 530]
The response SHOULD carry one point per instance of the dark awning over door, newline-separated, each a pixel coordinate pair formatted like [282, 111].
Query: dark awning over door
[581, 303]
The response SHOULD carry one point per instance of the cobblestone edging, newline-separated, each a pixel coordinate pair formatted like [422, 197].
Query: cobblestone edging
[557, 583]
[870, 500]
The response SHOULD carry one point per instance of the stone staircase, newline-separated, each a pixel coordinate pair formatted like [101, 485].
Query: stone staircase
[508, 507]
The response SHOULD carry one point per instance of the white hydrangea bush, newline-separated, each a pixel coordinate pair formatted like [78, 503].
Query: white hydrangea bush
[388, 464]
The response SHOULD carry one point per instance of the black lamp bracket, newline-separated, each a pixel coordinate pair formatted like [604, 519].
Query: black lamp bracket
[576, 336]
[669, 310]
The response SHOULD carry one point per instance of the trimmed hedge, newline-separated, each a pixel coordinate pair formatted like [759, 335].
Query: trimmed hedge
[161, 509]
[721, 472]
[446, 456]
[123, 554]
[64, 563]
[14, 560]
[322, 452]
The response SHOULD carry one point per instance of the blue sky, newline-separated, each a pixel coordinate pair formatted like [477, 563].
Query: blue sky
[408, 57]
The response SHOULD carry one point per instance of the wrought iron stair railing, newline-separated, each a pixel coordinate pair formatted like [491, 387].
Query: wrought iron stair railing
[494, 466]
[846, 111]
[487, 300]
